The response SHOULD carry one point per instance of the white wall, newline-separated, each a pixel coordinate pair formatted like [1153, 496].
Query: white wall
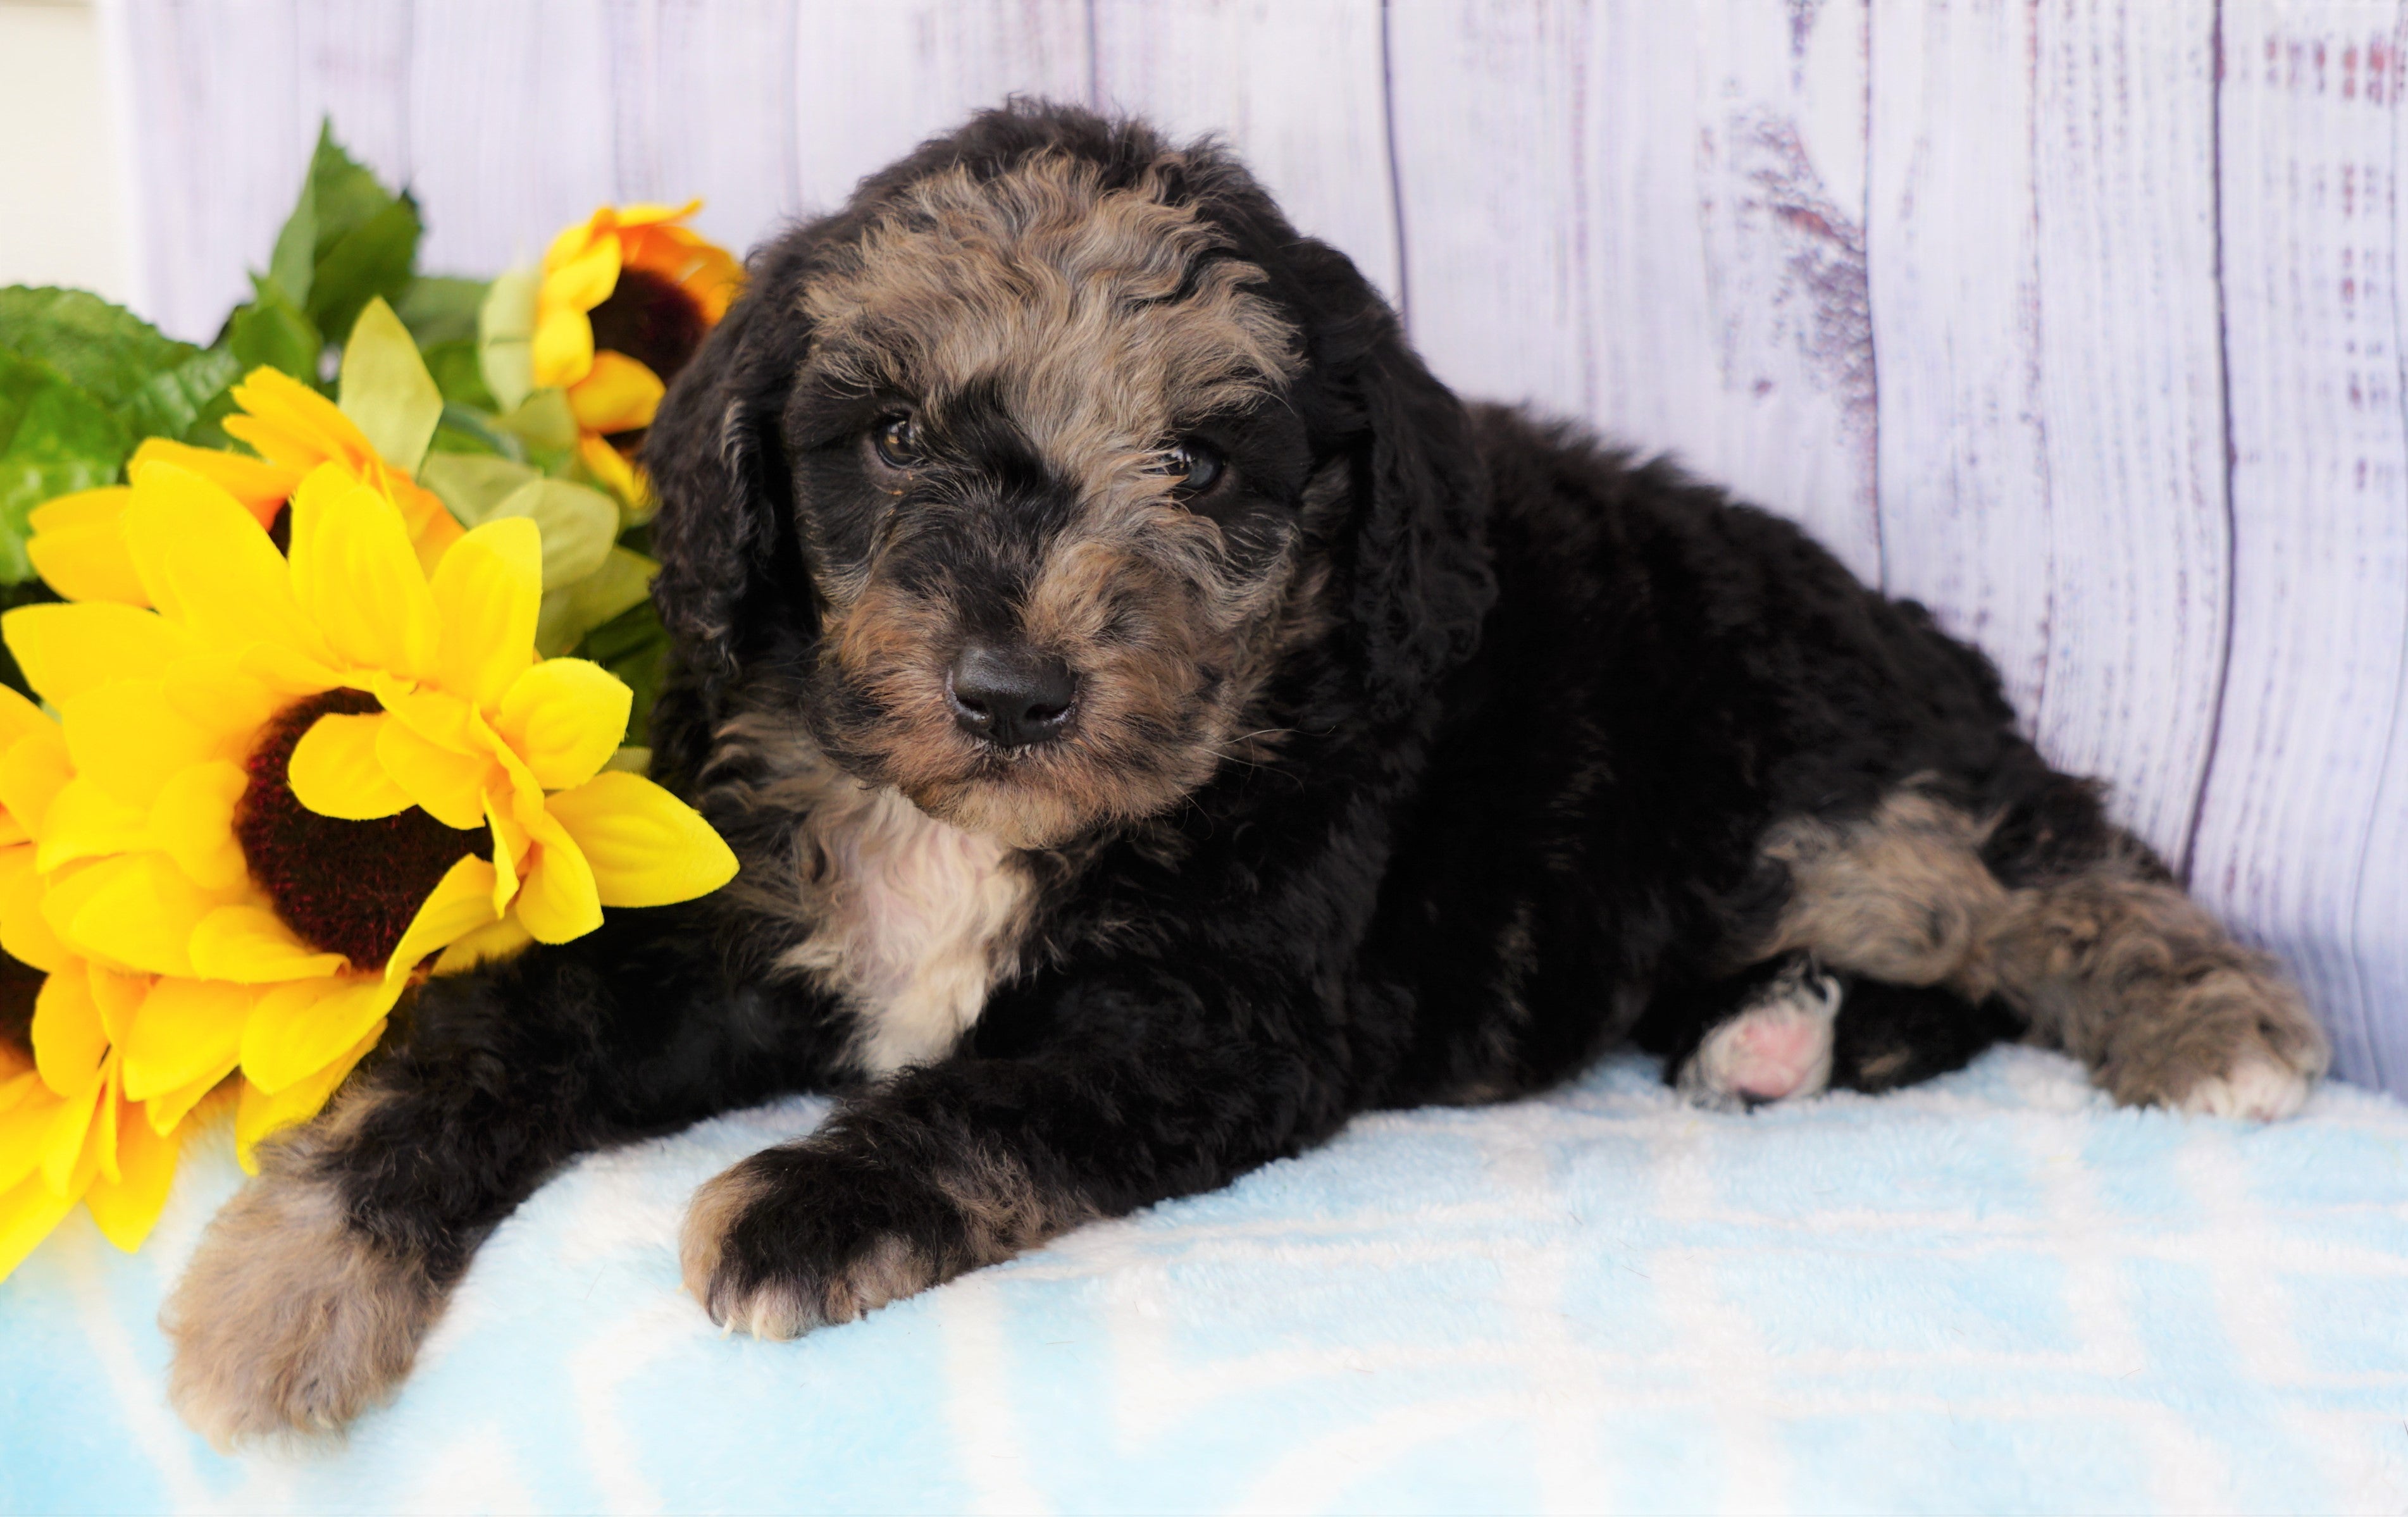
[62, 172]
[2024, 306]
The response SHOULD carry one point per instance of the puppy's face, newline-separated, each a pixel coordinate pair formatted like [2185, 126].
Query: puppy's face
[1049, 496]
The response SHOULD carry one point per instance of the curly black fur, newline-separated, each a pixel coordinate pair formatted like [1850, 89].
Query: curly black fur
[1550, 748]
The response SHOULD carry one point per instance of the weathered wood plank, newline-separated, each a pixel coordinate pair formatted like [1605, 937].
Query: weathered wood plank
[2044, 293]
[872, 80]
[512, 127]
[1297, 87]
[2298, 835]
[716, 100]
[1649, 215]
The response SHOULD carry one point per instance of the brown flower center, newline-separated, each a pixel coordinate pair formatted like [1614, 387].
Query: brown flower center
[652, 319]
[345, 887]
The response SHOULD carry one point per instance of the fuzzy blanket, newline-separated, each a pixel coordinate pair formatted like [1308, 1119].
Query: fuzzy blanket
[1993, 1293]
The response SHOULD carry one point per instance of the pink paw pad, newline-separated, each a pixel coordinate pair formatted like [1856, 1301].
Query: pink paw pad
[1777, 1049]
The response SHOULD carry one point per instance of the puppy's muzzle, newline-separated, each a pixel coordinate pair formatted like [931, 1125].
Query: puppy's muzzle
[1011, 694]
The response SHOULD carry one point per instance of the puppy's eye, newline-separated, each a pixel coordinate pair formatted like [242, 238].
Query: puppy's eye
[897, 440]
[1194, 463]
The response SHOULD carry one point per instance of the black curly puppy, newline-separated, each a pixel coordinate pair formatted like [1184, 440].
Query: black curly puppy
[1159, 722]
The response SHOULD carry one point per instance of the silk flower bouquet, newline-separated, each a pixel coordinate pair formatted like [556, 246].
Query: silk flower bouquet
[319, 684]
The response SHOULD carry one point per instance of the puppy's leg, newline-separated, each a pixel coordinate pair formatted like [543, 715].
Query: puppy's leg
[1126, 1095]
[1888, 1035]
[2137, 980]
[1771, 1042]
[2068, 924]
[309, 1294]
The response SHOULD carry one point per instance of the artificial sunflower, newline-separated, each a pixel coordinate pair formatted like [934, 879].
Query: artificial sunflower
[273, 799]
[80, 544]
[626, 298]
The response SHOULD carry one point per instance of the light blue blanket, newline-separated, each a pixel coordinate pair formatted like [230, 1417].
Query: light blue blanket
[1994, 1292]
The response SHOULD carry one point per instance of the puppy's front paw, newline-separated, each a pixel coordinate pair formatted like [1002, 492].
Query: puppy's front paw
[787, 1241]
[289, 1320]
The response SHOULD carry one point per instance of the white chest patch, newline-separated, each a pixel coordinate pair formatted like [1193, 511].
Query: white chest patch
[913, 921]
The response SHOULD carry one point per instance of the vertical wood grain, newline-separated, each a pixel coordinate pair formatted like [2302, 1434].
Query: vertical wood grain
[873, 80]
[1297, 87]
[715, 98]
[2043, 283]
[2296, 816]
[512, 127]
[1651, 217]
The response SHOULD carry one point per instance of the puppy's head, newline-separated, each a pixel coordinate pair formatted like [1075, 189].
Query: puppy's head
[1020, 477]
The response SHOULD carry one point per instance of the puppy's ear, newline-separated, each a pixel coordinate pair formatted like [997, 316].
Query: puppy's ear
[730, 568]
[1415, 550]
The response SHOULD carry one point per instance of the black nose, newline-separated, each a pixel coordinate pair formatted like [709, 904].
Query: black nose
[1012, 697]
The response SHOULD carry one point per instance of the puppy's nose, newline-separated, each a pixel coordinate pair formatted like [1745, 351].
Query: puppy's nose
[1013, 696]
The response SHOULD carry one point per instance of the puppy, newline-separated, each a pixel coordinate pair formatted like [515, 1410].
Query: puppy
[1158, 722]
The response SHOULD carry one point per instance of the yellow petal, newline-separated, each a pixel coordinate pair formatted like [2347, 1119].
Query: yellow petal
[335, 770]
[612, 472]
[69, 1043]
[87, 821]
[184, 1030]
[251, 946]
[84, 509]
[29, 1212]
[646, 847]
[119, 997]
[141, 917]
[33, 771]
[355, 574]
[220, 574]
[565, 718]
[87, 559]
[25, 933]
[22, 1126]
[193, 823]
[68, 650]
[261, 486]
[293, 425]
[127, 1206]
[20, 718]
[296, 1030]
[451, 786]
[461, 902]
[557, 900]
[80, 1138]
[510, 846]
[263, 1114]
[488, 591]
[169, 1108]
[488, 944]
[213, 691]
[127, 739]
[618, 393]
[562, 349]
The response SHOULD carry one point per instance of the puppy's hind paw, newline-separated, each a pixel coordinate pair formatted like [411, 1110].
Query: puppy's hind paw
[1777, 1048]
[289, 1322]
[2258, 1089]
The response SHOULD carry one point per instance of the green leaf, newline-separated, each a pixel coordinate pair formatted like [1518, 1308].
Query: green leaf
[173, 401]
[623, 582]
[458, 374]
[102, 348]
[473, 486]
[543, 420]
[275, 331]
[370, 262]
[579, 527]
[386, 389]
[55, 438]
[635, 647]
[505, 337]
[293, 262]
[439, 310]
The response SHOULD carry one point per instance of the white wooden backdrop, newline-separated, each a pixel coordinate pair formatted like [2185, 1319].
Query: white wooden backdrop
[2078, 319]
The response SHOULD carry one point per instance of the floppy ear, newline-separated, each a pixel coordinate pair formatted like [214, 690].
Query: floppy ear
[730, 568]
[1414, 547]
